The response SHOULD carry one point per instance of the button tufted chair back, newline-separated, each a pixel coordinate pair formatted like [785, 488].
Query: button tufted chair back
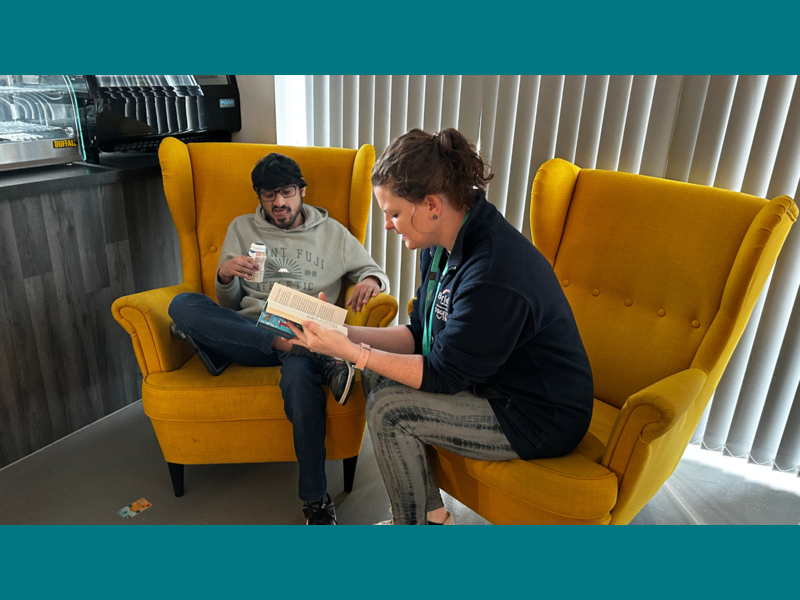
[219, 189]
[650, 267]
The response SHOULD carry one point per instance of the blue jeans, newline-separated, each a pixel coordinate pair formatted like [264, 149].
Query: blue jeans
[223, 332]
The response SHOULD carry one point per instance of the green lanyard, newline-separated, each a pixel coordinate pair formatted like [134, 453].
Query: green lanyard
[428, 322]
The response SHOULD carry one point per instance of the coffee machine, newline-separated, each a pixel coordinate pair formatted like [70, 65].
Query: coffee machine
[135, 112]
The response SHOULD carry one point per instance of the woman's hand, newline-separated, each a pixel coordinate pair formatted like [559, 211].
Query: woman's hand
[318, 339]
[362, 293]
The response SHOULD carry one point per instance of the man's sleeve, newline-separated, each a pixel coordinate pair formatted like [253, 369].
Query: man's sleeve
[358, 263]
[480, 334]
[229, 296]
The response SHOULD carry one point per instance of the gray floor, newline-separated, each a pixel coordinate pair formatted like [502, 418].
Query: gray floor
[86, 477]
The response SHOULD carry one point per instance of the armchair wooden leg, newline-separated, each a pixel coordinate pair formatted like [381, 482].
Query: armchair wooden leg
[176, 474]
[349, 465]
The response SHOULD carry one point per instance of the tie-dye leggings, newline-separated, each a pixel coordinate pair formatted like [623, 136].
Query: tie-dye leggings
[403, 422]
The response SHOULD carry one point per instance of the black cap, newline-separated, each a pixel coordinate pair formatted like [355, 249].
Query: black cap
[276, 170]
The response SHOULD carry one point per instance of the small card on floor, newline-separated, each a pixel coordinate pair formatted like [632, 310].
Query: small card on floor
[134, 508]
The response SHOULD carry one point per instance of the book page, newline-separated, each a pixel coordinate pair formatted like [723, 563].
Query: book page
[297, 306]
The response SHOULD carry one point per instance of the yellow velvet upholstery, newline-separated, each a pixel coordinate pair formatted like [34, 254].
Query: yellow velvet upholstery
[662, 277]
[237, 416]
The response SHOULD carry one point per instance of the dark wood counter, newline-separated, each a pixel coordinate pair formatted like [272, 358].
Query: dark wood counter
[73, 238]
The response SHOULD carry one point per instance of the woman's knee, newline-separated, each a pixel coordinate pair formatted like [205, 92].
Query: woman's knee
[383, 409]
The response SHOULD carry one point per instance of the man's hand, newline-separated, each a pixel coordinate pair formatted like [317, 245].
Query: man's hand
[238, 266]
[364, 290]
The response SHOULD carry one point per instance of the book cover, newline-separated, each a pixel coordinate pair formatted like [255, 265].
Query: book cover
[275, 324]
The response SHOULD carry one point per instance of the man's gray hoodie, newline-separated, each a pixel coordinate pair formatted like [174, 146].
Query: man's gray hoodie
[311, 258]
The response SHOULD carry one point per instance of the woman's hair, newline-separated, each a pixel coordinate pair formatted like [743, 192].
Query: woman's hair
[417, 164]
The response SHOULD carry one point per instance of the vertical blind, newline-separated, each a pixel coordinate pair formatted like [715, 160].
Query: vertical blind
[740, 133]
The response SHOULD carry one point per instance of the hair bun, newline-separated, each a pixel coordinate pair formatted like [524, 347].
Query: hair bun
[445, 139]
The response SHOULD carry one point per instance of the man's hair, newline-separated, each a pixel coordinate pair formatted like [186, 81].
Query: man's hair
[274, 171]
[417, 164]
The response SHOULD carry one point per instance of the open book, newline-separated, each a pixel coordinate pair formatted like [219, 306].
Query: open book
[285, 304]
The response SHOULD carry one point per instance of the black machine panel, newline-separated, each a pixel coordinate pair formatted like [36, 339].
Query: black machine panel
[135, 112]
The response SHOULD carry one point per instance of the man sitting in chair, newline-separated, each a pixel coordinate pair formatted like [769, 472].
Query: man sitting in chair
[310, 252]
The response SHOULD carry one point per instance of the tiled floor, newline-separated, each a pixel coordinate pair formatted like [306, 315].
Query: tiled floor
[87, 477]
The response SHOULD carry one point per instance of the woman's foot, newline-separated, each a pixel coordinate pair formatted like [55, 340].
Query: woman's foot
[448, 521]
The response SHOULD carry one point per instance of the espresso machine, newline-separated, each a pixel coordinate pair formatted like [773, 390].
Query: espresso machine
[135, 112]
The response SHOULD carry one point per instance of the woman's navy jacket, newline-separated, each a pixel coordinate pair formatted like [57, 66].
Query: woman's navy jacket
[503, 329]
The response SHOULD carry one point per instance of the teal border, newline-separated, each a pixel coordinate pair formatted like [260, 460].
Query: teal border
[498, 37]
[355, 562]
[466, 37]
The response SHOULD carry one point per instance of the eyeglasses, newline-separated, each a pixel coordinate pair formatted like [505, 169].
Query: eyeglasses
[269, 196]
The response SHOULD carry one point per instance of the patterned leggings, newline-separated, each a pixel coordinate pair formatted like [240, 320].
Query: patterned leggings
[403, 422]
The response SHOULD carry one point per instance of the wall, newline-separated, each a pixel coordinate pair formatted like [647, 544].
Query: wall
[257, 97]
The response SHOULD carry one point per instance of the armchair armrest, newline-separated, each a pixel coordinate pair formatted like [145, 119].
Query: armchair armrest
[377, 312]
[649, 414]
[144, 316]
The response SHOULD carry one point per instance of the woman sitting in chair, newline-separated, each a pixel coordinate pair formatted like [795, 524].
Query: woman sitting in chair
[491, 366]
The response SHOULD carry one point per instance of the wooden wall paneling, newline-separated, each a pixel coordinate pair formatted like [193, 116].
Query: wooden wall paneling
[85, 206]
[140, 235]
[108, 338]
[120, 272]
[168, 249]
[112, 213]
[101, 322]
[21, 353]
[13, 444]
[149, 227]
[28, 224]
[136, 220]
[121, 277]
[45, 312]
[81, 407]
[64, 258]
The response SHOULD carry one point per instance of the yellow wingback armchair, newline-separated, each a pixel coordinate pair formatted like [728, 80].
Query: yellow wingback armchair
[238, 416]
[662, 277]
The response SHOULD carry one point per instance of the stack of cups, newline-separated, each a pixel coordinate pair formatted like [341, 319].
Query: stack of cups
[258, 252]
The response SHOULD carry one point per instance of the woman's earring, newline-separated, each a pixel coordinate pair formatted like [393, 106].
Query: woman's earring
[435, 217]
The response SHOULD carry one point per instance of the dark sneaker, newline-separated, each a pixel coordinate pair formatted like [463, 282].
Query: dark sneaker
[215, 364]
[321, 512]
[339, 374]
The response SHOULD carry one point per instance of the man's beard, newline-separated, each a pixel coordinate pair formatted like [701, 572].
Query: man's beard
[287, 224]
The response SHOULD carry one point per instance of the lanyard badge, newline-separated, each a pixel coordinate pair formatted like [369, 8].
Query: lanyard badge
[428, 322]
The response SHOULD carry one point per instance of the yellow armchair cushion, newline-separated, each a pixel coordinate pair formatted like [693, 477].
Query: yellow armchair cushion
[238, 416]
[245, 393]
[572, 488]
